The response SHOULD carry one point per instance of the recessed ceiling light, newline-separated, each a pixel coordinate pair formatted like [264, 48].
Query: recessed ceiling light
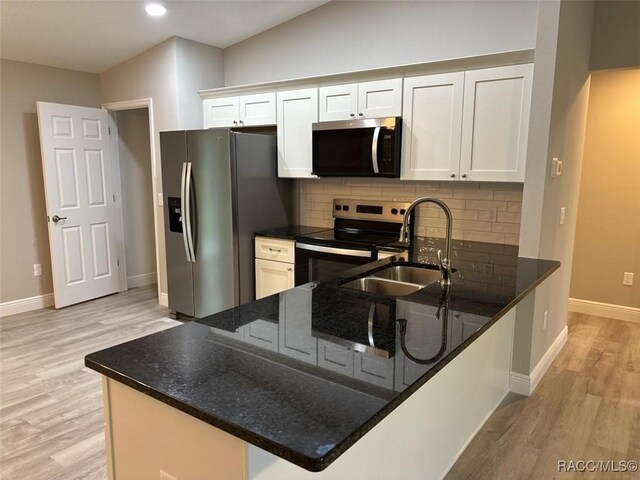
[155, 9]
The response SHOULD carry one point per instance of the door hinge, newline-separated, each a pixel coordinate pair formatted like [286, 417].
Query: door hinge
[109, 130]
[118, 262]
[114, 198]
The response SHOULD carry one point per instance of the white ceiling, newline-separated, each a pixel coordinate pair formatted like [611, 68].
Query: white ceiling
[94, 35]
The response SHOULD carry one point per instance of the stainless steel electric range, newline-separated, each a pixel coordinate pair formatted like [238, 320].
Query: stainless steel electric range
[360, 227]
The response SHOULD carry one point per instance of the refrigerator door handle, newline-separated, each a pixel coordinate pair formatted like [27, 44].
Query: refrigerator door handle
[188, 213]
[183, 211]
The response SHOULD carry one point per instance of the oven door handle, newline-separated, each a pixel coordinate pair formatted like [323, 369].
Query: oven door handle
[374, 150]
[336, 251]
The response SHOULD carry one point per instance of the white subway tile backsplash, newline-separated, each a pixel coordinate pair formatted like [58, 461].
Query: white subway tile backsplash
[473, 205]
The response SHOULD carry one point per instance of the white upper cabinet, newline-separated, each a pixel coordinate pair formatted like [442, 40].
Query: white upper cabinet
[495, 123]
[243, 111]
[382, 98]
[432, 127]
[221, 112]
[297, 110]
[467, 125]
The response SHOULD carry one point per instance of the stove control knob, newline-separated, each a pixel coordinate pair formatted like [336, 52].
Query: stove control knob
[338, 207]
[402, 211]
[394, 211]
[345, 208]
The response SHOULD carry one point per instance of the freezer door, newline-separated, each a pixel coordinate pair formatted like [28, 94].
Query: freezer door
[262, 200]
[173, 151]
[211, 224]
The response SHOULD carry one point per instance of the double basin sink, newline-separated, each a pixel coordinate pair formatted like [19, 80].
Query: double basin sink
[396, 280]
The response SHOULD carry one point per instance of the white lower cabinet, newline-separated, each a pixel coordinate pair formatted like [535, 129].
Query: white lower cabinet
[273, 277]
[275, 270]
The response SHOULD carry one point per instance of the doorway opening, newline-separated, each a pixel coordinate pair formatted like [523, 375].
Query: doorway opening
[135, 172]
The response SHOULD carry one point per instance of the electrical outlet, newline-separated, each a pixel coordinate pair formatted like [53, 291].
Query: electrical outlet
[562, 214]
[165, 476]
[493, 214]
[627, 279]
[545, 316]
[160, 200]
[556, 167]
[37, 269]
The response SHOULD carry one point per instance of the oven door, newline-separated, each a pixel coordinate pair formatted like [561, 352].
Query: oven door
[319, 263]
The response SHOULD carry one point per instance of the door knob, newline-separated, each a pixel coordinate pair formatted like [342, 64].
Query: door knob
[56, 218]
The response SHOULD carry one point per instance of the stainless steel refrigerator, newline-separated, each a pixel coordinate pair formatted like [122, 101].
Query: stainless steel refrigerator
[219, 187]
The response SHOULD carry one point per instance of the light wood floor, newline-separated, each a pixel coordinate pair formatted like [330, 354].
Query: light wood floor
[587, 407]
[51, 424]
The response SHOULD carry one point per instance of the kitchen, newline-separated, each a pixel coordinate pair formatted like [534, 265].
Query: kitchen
[332, 189]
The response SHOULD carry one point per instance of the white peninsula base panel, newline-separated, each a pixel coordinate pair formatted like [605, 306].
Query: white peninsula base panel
[421, 439]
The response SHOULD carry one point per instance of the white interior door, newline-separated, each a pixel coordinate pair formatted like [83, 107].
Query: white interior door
[76, 159]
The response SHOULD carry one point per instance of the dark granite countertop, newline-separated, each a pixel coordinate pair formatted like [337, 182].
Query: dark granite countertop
[306, 373]
[289, 232]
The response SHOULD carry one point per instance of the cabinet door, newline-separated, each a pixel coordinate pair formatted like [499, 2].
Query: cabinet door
[382, 98]
[262, 334]
[373, 369]
[338, 102]
[295, 335]
[221, 112]
[432, 128]
[495, 123]
[296, 112]
[335, 357]
[258, 109]
[272, 277]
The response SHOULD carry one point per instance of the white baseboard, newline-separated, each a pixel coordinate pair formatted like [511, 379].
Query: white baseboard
[142, 280]
[526, 384]
[26, 305]
[164, 299]
[619, 312]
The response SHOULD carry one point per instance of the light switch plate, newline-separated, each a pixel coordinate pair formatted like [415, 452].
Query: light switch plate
[627, 279]
[556, 167]
[160, 200]
[562, 215]
[37, 269]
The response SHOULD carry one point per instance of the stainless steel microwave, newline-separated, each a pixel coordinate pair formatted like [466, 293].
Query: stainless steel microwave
[357, 148]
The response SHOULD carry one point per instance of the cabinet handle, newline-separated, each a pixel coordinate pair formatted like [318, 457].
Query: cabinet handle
[289, 269]
[241, 122]
[464, 175]
[235, 122]
[352, 115]
[361, 114]
[277, 250]
[453, 175]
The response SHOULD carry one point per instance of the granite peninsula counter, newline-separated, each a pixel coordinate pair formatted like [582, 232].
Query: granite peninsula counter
[306, 375]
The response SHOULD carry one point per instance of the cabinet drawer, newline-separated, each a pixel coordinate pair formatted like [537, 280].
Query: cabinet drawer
[275, 249]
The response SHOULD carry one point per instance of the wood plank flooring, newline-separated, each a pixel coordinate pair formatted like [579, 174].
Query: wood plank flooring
[51, 423]
[51, 426]
[587, 407]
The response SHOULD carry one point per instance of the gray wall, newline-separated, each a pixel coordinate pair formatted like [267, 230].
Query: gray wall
[168, 74]
[616, 35]
[566, 126]
[137, 196]
[24, 237]
[345, 36]
[198, 67]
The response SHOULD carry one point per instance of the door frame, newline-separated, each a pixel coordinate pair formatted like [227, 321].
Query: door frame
[113, 108]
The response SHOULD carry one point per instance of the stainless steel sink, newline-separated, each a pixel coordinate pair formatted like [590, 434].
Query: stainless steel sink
[405, 273]
[383, 286]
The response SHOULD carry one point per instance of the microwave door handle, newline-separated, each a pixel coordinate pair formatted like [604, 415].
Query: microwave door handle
[374, 150]
[183, 211]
